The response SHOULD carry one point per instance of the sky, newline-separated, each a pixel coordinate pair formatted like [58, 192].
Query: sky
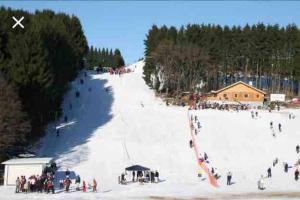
[124, 24]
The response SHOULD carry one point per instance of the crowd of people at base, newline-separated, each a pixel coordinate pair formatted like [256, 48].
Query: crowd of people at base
[218, 106]
[141, 177]
[35, 183]
[45, 183]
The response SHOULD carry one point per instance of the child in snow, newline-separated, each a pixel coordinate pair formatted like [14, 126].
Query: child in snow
[260, 183]
[199, 173]
[83, 186]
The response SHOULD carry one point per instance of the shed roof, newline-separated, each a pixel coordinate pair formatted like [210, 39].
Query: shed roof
[18, 161]
[137, 168]
[239, 82]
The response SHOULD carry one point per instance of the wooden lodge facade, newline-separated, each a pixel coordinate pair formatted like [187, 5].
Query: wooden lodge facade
[239, 92]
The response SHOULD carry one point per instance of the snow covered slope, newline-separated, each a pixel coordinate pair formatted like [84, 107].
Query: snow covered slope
[120, 122]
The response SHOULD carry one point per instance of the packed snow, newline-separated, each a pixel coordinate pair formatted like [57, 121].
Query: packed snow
[118, 121]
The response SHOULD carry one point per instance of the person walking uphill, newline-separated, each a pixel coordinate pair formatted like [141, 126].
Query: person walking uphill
[297, 148]
[269, 172]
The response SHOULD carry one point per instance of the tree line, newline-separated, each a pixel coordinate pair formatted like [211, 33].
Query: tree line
[104, 58]
[207, 57]
[36, 65]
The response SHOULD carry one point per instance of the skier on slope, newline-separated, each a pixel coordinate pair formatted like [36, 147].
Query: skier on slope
[279, 127]
[275, 162]
[297, 148]
[286, 167]
[271, 125]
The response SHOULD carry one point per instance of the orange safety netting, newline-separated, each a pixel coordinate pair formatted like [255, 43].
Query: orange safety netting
[212, 179]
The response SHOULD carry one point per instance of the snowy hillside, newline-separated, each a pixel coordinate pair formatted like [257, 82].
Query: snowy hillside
[120, 122]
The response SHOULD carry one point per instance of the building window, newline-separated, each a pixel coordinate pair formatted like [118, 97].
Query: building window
[224, 95]
[246, 95]
[235, 95]
[257, 96]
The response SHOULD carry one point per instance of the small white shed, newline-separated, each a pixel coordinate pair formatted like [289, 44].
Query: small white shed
[23, 167]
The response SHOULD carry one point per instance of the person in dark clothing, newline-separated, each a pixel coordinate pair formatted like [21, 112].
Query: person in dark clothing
[66, 118]
[212, 170]
[156, 176]
[229, 176]
[296, 175]
[286, 167]
[269, 172]
[191, 143]
[297, 148]
[67, 172]
[57, 132]
[205, 156]
[152, 176]
[271, 125]
[279, 127]
[133, 176]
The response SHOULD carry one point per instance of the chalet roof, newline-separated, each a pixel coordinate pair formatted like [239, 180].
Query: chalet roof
[18, 161]
[234, 84]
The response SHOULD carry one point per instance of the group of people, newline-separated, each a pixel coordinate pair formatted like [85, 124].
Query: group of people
[218, 106]
[119, 71]
[141, 176]
[35, 183]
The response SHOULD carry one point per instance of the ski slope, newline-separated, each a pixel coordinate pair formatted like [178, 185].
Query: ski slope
[120, 122]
